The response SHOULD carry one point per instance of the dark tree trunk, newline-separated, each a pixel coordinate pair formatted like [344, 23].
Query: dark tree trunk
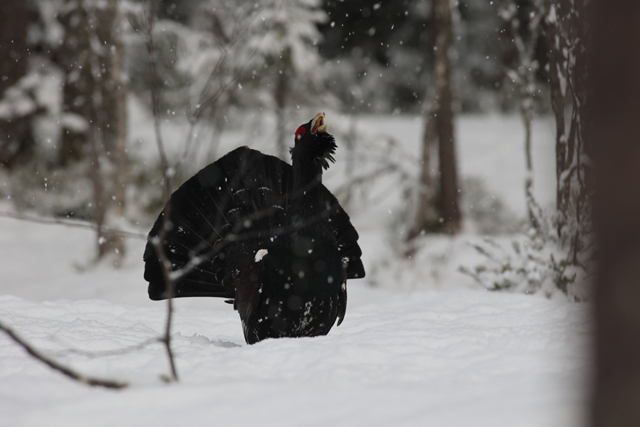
[439, 127]
[281, 93]
[113, 117]
[14, 19]
[566, 34]
[16, 139]
[449, 187]
[424, 211]
[75, 58]
[558, 95]
[95, 92]
[613, 111]
[448, 200]
[350, 162]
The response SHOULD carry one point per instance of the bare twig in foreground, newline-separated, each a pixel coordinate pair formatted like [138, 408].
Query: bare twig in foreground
[59, 367]
[167, 173]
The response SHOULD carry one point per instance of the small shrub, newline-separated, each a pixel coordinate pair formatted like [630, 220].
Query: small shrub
[532, 263]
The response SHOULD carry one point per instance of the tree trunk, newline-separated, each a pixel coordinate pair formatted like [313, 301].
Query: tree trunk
[16, 139]
[424, 212]
[113, 88]
[449, 189]
[95, 93]
[281, 89]
[75, 59]
[613, 111]
[558, 94]
[521, 67]
[350, 161]
[439, 127]
[527, 118]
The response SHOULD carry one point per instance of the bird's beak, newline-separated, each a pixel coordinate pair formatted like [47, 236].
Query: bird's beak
[317, 124]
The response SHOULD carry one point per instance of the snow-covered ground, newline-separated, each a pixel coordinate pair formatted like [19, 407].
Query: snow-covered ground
[430, 358]
[428, 348]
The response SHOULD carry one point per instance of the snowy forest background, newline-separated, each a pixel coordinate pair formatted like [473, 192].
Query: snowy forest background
[461, 161]
[78, 109]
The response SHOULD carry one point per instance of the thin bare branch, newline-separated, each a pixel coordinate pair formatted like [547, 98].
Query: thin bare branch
[92, 381]
[156, 85]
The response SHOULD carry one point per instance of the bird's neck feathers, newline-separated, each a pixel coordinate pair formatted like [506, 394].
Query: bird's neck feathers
[306, 203]
[306, 179]
[309, 159]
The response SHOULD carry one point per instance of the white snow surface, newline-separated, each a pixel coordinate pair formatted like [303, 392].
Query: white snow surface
[431, 358]
[450, 357]
[421, 345]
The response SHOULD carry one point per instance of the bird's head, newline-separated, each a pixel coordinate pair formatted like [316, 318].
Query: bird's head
[313, 143]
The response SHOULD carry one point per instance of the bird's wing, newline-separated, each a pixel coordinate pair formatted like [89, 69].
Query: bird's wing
[223, 215]
[232, 207]
[346, 236]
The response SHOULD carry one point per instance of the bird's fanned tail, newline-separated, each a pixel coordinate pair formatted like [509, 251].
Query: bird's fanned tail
[233, 206]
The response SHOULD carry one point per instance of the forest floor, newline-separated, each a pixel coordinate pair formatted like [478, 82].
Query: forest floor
[427, 348]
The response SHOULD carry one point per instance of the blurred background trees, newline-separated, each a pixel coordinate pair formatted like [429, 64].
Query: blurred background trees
[76, 99]
[284, 57]
[16, 138]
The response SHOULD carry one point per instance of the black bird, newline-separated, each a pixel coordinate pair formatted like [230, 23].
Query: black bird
[267, 236]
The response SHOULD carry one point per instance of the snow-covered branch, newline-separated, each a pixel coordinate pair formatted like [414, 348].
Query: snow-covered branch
[523, 76]
[148, 22]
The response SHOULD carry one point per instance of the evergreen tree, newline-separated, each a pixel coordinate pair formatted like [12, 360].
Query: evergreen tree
[283, 53]
[17, 106]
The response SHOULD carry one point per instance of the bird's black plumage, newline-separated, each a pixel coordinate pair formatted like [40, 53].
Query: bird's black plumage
[248, 204]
